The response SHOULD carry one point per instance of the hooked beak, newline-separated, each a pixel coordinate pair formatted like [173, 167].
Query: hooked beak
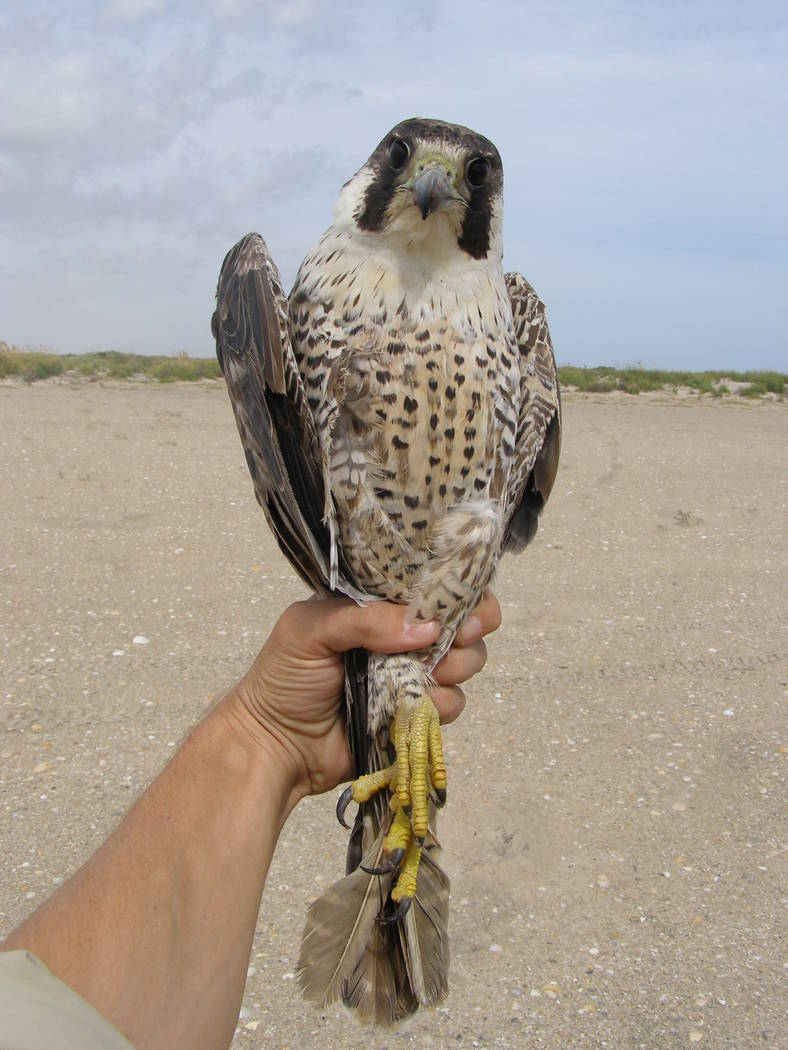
[430, 189]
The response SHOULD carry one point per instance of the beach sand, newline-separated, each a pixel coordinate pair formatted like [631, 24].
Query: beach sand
[615, 829]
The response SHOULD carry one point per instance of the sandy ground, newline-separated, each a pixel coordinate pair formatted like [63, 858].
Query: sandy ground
[616, 823]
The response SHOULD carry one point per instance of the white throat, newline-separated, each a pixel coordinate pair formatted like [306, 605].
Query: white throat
[413, 259]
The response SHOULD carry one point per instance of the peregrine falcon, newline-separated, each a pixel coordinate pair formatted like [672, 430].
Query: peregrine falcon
[401, 419]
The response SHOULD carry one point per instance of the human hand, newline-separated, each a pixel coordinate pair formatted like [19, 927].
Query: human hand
[291, 701]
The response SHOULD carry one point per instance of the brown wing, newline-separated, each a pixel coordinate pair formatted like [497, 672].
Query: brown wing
[276, 426]
[279, 438]
[538, 443]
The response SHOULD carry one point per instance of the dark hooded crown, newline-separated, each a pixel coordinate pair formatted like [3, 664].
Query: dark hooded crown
[475, 233]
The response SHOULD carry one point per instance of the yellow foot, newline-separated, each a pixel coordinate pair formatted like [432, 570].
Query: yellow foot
[363, 789]
[420, 764]
[417, 776]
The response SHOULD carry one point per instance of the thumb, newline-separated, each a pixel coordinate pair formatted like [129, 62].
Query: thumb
[335, 625]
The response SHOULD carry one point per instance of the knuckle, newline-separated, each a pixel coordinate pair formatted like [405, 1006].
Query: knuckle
[481, 655]
[450, 700]
[290, 618]
[494, 616]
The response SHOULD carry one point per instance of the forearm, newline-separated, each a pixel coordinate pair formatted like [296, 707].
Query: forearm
[156, 929]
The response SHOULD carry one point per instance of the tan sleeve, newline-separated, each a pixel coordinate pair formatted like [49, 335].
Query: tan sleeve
[39, 1012]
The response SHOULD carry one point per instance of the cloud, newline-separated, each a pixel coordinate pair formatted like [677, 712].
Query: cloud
[644, 148]
[133, 10]
[48, 104]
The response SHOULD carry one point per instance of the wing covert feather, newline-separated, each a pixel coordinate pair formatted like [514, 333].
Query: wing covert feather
[275, 424]
[538, 442]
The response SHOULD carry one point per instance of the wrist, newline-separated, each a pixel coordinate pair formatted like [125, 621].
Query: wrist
[263, 748]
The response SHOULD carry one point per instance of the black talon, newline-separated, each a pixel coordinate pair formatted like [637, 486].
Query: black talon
[342, 805]
[438, 796]
[383, 870]
[399, 914]
[393, 862]
[397, 856]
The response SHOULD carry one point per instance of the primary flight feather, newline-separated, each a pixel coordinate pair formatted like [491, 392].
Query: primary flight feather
[401, 419]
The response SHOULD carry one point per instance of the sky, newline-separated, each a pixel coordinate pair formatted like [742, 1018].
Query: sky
[644, 146]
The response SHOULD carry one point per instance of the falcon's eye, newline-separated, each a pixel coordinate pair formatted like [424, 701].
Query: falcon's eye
[398, 154]
[476, 173]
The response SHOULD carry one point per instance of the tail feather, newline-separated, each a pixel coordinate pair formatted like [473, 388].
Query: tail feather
[424, 932]
[338, 929]
[378, 988]
[382, 972]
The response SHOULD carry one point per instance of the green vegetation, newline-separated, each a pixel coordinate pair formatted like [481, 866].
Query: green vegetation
[32, 365]
[639, 380]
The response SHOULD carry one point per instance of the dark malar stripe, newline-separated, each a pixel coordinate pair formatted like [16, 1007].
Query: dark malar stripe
[475, 236]
[377, 199]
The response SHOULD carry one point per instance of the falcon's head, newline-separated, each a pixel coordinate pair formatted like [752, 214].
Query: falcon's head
[428, 181]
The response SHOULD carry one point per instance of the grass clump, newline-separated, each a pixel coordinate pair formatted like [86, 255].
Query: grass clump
[604, 379]
[29, 364]
[47, 365]
[185, 369]
[33, 365]
[761, 383]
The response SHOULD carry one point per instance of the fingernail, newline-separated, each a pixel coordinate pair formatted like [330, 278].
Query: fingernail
[470, 630]
[422, 632]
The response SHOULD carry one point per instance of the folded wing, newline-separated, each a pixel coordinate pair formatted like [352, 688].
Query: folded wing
[538, 440]
[277, 429]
